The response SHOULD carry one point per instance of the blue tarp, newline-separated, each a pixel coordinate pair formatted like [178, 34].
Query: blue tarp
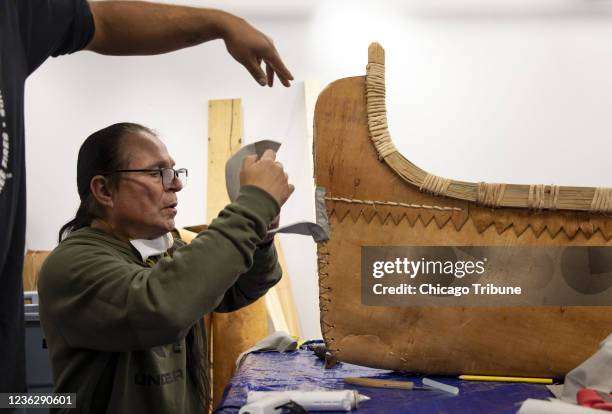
[302, 370]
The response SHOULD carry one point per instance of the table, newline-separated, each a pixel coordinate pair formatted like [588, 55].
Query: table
[300, 369]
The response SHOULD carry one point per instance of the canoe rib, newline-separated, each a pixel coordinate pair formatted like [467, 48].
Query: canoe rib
[526, 196]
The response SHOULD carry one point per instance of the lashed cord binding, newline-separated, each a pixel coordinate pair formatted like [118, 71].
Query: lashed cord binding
[536, 197]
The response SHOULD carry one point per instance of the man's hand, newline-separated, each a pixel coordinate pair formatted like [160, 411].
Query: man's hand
[250, 47]
[267, 174]
[143, 28]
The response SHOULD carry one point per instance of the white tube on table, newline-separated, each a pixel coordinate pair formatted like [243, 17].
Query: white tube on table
[344, 400]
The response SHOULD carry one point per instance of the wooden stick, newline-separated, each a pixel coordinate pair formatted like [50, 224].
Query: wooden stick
[379, 383]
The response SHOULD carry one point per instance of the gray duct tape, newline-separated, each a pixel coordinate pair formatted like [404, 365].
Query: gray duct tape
[232, 166]
[321, 211]
[304, 228]
[318, 231]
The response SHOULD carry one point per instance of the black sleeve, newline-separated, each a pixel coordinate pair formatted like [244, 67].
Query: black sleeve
[53, 28]
[253, 284]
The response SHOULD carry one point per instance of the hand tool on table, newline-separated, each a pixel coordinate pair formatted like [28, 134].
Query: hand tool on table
[383, 383]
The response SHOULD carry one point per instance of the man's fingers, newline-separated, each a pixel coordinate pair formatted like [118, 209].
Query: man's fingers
[248, 161]
[278, 64]
[269, 154]
[279, 67]
[284, 80]
[256, 72]
[270, 73]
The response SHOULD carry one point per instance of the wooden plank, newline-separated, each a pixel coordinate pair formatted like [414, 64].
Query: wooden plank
[290, 321]
[186, 235]
[31, 266]
[275, 311]
[232, 333]
[224, 139]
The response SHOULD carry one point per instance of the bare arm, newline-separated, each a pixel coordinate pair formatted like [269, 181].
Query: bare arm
[141, 28]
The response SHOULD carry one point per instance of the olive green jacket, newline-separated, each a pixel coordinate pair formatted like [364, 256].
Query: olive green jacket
[116, 328]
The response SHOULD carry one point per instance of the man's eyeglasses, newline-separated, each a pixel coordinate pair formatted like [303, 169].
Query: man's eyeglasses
[168, 175]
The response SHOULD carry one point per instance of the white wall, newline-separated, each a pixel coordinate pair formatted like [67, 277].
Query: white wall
[503, 92]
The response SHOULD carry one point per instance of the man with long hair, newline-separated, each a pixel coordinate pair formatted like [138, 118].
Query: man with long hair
[121, 303]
